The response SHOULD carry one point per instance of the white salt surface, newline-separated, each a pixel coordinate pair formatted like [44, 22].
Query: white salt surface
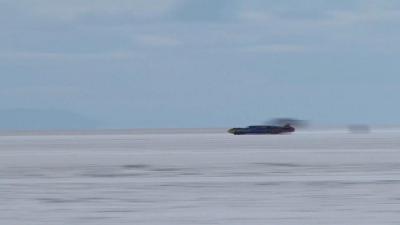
[319, 177]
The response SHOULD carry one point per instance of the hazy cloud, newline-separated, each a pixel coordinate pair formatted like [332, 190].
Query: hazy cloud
[275, 48]
[157, 41]
[204, 10]
[365, 16]
[74, 9]
[66, 56]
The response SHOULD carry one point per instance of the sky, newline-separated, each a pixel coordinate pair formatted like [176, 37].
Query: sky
[197, 63]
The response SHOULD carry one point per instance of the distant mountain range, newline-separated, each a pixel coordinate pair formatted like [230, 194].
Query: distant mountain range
[44, 119]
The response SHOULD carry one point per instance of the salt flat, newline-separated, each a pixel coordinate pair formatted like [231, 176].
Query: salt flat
[206, 177]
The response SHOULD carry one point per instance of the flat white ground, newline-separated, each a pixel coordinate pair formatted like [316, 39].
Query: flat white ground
[310, 177]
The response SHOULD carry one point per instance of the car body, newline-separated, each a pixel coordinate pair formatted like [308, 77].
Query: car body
[262, 130]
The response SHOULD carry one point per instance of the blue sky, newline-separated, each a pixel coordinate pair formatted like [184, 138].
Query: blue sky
[201, 63]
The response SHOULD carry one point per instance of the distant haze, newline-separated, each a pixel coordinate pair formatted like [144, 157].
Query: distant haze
[192, 63]
[30, 119]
